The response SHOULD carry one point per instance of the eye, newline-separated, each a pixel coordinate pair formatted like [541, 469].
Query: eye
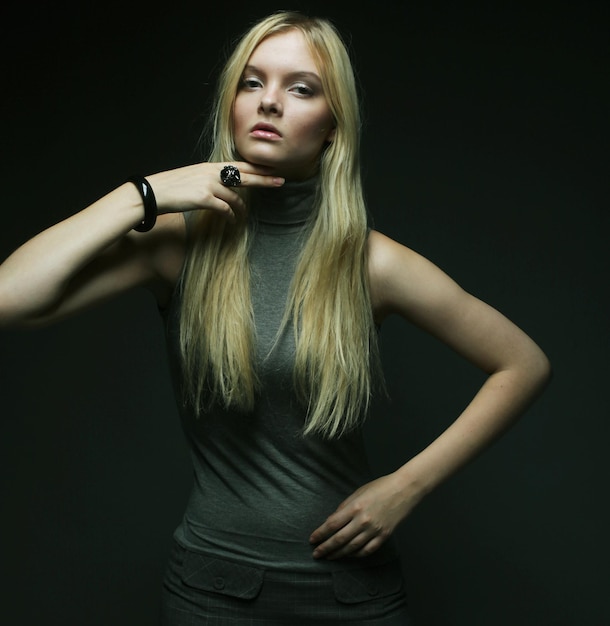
[250, 82]
[302, 89]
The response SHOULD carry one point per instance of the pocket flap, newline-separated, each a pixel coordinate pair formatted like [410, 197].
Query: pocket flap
[220, 576]
[362, 584]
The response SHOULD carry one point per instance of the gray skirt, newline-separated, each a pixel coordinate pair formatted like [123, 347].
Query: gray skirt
[201, 590]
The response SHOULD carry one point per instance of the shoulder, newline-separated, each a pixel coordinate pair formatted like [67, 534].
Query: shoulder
[384, 252]
[405, 282]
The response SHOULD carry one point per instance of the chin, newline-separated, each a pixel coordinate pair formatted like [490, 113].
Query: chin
[256, 159]
[278, 167]
[263, 161]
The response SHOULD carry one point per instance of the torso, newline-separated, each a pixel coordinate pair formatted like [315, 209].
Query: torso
[261, 487]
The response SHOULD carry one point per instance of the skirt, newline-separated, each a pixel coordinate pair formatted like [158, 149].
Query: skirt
[201, 590]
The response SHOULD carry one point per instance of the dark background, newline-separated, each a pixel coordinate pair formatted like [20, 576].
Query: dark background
[485, 149]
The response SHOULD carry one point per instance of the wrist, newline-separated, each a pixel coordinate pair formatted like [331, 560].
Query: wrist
[149, 202]
[412, 482]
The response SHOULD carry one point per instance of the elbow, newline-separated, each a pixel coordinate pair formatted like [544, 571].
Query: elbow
[25, 309]
[541, 370]
[10, 321]
[548, 372]
[8, 318]
[20, 318]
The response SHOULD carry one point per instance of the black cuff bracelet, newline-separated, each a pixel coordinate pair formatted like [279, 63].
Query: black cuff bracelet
[150, 203]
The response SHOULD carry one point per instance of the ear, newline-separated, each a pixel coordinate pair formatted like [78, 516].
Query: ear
[331, 135]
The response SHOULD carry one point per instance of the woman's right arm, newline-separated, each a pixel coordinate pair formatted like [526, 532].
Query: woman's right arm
[78, 262]
[95, 254]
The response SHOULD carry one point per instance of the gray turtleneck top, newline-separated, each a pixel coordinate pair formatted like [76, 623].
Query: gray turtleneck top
[261, 487]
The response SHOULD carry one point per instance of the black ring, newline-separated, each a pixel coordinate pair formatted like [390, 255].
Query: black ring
[229, 176]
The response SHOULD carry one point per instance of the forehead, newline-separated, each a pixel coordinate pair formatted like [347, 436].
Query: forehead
[288, 50]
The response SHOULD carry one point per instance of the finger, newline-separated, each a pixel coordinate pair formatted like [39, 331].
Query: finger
[338, 541]
[258, 180]
[230, 197]
[374, 544]
[255, 176]
[361, 545]
[224, 205]
[356, 546]
[333, 524]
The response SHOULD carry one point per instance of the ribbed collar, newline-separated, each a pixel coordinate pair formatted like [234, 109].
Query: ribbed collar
[288, 205]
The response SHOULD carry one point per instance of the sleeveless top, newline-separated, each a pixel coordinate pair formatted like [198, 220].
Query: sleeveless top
[260, 486]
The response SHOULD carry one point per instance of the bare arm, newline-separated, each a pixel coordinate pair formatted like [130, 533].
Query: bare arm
[406, 284]
[95, 255]
[75, 263]
[409, 285]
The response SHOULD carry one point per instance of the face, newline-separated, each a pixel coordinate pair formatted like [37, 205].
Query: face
[281, 118]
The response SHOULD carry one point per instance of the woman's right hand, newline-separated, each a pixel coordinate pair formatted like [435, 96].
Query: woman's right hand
[199, 187]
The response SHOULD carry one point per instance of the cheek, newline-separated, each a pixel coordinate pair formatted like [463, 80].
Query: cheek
[238, 132]
[323, 125]
[240, 112]
[322, 132]
[237, 119]
[316, 129]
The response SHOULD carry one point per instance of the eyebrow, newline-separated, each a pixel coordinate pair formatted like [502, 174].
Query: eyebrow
[294, 75]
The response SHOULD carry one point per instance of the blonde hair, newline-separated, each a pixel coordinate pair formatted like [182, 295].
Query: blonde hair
[329, 301]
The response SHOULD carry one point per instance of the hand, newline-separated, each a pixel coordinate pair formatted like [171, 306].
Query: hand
[363, 522]
[198, 187]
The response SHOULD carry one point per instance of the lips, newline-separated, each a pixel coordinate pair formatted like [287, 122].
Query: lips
[265, 131]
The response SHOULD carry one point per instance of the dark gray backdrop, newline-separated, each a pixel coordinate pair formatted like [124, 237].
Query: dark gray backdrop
[485, 149]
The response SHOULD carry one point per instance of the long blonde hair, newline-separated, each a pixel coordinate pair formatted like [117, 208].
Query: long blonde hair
[329, 301]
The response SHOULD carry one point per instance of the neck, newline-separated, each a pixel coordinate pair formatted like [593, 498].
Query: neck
[292, 203]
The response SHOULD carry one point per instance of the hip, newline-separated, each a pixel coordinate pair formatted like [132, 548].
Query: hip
[200, 589]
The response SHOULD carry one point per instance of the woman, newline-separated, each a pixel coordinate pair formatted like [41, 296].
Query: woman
[273, 287]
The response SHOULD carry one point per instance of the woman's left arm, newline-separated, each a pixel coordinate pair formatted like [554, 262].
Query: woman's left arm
[405, 283]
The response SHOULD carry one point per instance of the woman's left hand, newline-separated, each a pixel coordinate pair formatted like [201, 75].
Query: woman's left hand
[362, 522]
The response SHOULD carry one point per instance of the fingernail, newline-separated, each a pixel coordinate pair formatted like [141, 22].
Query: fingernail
[279, 181]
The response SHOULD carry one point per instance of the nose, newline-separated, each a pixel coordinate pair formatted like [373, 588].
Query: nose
[270, 102]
